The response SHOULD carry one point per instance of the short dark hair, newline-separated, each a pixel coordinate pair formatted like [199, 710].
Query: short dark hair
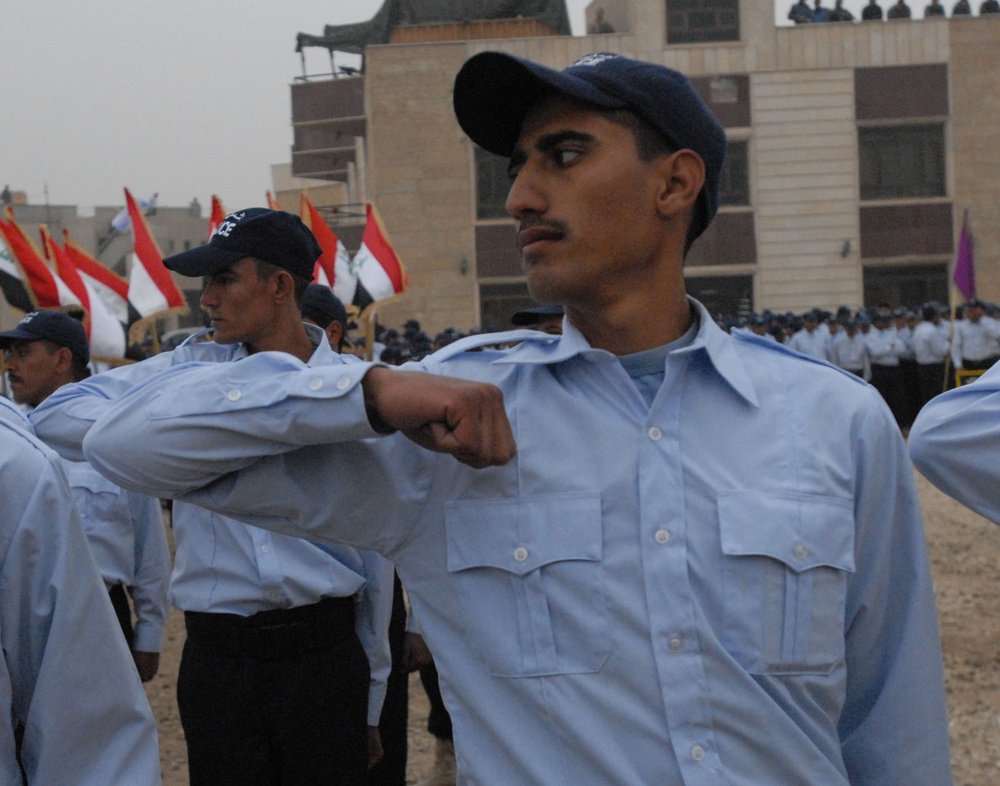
[78, 368]
[265, 270]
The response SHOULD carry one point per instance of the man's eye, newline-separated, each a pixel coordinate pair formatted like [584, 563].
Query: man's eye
[566, 156]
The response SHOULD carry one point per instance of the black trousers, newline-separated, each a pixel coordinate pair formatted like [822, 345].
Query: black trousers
[888, 380]
[123, 611]
[932, 381]
[279, 698]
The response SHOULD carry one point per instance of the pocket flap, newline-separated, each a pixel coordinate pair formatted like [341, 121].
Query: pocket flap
[521, 535]
[803, 531]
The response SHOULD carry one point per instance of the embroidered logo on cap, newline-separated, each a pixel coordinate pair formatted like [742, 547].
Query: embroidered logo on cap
[229, 224]
[595, 59]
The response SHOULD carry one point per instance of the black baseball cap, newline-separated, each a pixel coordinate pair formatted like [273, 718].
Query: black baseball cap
[323, 307]
[532, 316]
[495, 91]
[272, 236]
[54, 326]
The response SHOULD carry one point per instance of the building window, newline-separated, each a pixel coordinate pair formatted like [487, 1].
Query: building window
[492, 185]
[907, 286]
[723, 296]
[698, 21]
[902, 161]
[736, 174]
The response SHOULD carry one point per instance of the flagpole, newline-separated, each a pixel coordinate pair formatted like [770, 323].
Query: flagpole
[370, 333]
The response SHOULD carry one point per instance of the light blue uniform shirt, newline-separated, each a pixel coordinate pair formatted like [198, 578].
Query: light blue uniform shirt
[65, 671]
[222, 566]
[955, 443]
[727, 586]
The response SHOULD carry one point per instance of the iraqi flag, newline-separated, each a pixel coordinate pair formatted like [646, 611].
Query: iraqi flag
[104, 332]
[333, 268]
[151, 288]
[379, 272]
[44, 286]
[15, 291]
[109, 286]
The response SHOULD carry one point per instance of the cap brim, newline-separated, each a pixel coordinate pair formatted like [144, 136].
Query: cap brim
[495, 91]
[16, 335]
[203, 260]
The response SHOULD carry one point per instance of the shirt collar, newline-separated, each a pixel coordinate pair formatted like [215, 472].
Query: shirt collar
[710, 340]
[322, 354]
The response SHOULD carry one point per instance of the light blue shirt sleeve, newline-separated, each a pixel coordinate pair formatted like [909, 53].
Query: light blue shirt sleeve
[643, 588]
[66, 672]
[954, 443]
[373, 615]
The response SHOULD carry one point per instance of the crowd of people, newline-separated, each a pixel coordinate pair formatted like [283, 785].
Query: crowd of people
[909, 354]
[801, 12]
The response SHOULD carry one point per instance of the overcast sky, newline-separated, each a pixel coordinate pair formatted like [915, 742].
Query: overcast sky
[182, 97]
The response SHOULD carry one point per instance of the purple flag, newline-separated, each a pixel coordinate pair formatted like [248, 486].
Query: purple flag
[965, 268]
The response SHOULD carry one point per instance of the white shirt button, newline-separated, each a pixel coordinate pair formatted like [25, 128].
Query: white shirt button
[801, 552]
[343, 383]
[655, 434]
[520, 553]
[234, 395]
[265, 549]
[316, 384]
[697, 753]
[662, 536]
[675, 643]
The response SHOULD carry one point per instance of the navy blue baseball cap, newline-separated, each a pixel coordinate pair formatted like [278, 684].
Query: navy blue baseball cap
[54, 326]
[532, 316]
[323, 307]
[495, 91]
[272, 236]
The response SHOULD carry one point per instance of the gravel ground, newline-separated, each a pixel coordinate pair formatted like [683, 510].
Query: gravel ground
[965, 556]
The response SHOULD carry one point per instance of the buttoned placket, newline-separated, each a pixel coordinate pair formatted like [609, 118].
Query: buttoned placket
[668, 593]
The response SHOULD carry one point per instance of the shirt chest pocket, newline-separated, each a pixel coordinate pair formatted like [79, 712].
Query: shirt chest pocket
[786, 562]
[97, 498]
[529, 580]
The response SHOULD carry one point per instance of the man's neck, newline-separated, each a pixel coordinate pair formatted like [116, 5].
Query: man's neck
[624, 328]
[291, 339]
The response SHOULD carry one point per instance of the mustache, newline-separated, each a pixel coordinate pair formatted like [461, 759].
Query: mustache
[532, 224]
[532, 221]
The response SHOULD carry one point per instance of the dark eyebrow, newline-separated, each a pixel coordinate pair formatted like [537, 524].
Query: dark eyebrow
[546, 144]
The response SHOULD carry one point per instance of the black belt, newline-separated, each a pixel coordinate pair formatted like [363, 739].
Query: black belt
[275, 633]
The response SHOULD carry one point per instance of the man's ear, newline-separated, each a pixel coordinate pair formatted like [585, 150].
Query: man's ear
[682, 176]
[284, 286]
[335, 335]
[64, 360]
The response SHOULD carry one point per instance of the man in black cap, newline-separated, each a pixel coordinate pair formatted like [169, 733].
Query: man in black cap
[625, 598]
[284, 668]
[324, 309]
[49, 349]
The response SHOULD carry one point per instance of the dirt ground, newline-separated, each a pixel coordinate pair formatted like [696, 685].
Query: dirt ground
[965, 555]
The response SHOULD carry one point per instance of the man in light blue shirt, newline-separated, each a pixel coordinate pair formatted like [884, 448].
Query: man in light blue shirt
[285, 665]
[66, 675]
[49, 349]
[626, 596]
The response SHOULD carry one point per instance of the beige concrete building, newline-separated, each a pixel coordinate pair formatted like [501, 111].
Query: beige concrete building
[855, 149]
